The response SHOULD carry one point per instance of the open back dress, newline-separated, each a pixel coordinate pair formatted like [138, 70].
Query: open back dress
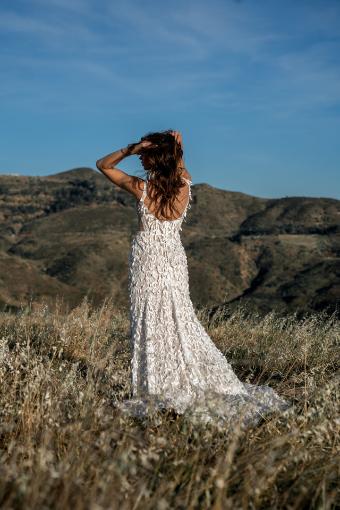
[175, 364]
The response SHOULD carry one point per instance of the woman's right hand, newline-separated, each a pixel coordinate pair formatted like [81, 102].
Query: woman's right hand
[178, 138]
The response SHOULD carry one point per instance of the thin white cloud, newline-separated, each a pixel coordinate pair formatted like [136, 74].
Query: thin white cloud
[79, 6]
[14, 22]
[198, 51]
[227, 27]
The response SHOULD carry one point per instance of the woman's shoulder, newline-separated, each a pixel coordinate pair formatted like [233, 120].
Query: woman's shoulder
[138, 187]
[140, 183]
[186, 174]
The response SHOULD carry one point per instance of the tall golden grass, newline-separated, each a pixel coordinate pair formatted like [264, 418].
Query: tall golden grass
[65, 445]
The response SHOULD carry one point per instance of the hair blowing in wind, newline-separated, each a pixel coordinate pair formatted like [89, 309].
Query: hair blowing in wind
[164, 167]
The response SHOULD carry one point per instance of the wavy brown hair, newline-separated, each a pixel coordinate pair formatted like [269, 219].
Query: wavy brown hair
[166, 164]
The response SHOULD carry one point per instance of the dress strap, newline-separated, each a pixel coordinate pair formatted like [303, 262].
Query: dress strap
[144, 192]
[189, 184]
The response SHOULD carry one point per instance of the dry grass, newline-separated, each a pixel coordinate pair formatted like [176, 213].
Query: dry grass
[64, 445]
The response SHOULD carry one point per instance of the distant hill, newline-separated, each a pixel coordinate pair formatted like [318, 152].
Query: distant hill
[69, 234]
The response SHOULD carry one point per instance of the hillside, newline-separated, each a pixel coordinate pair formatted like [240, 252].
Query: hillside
[69, 234]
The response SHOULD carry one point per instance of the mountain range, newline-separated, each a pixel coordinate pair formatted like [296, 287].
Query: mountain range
[68, 235]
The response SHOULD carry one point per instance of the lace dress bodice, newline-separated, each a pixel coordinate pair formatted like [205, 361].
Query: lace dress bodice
[148, 221]
[175, 364]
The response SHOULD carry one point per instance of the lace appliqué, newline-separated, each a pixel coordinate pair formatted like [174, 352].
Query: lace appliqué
[175, 364]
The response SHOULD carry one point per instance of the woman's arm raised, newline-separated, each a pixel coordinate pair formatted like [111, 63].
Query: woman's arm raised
[107, 163]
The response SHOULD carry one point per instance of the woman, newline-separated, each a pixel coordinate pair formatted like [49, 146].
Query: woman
[175, 364]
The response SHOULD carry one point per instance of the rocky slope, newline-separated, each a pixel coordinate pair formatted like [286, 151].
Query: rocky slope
[68, 234]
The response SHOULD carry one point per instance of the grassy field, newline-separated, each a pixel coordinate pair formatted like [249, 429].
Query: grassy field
[63, 444]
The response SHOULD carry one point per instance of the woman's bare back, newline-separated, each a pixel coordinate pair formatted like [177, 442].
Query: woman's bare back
[180, 203]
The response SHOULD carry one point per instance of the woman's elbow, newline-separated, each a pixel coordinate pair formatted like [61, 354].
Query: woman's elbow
[99, 164]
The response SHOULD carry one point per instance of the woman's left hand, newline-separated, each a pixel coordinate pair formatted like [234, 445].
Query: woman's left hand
[135, 148]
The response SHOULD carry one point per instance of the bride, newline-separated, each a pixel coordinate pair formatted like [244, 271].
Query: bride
[175, 364]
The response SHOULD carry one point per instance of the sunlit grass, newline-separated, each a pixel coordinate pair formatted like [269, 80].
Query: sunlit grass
[65, 445]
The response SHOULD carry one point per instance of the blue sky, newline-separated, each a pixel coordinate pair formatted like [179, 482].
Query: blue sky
[253, 85]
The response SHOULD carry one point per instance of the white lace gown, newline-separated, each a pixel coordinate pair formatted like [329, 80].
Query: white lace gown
[175, 364]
